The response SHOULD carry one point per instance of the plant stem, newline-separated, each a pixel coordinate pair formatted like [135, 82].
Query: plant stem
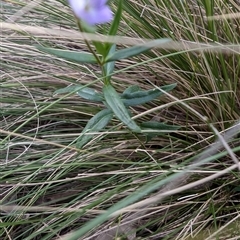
[89, 46]
[106, 81]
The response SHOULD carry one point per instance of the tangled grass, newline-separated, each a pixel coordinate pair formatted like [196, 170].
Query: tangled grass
[50, 188]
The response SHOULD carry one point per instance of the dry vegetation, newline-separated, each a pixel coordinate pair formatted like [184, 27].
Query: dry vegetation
[49, 188]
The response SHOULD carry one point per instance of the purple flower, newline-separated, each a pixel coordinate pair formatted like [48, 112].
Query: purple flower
[92, 11]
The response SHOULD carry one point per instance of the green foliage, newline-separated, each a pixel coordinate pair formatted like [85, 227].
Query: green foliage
[131, 97]
[131, 89]
[109, 66]
[115, 103]
[117, 18]
[98, 122]
[118, 104]
[156, 128]
[136, 50]
[137, 97]
[83, 91]
[81, 57]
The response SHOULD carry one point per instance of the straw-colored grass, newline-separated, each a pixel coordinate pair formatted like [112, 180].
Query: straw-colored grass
[49, 188]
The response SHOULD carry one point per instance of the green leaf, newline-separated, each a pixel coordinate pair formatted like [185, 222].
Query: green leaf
[100, 47]
[156, 126]
[109, 66]
[114, 101]
[136, 50]
[153, 125]
[117, 17]
[84, 92]
[74, 56]
[115, 24]
[131, 89]
[140, 97]
[69, 89]
[90, 94]
[96, 123]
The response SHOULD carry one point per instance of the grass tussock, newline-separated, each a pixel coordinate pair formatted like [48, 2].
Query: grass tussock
[50, 188]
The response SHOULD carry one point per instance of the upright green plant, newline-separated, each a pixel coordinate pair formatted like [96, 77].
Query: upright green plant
[90, 13]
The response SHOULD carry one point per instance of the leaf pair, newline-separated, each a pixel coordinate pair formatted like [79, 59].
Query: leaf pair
[101, 119]
[117, 104]
[132, 96]
[84, 57]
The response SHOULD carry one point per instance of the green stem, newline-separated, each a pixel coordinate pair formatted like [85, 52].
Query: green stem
[106, 81]
[88, 45]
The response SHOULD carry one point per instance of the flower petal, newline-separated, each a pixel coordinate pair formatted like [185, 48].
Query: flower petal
[102, 16]
[77, 5]
[92, 11]
[97, 3]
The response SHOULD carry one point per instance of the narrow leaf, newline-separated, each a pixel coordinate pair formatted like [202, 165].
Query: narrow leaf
[100, 47]
[117, 17]
[141, 97]
[136, 50]
[68, 89]
[74, 56]
[157, 126]
[153, 125]
[109, 66]
[115, 103]
[115, 24]
[90, 94]
[131, 89]
[96, 123]
[84, 92]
